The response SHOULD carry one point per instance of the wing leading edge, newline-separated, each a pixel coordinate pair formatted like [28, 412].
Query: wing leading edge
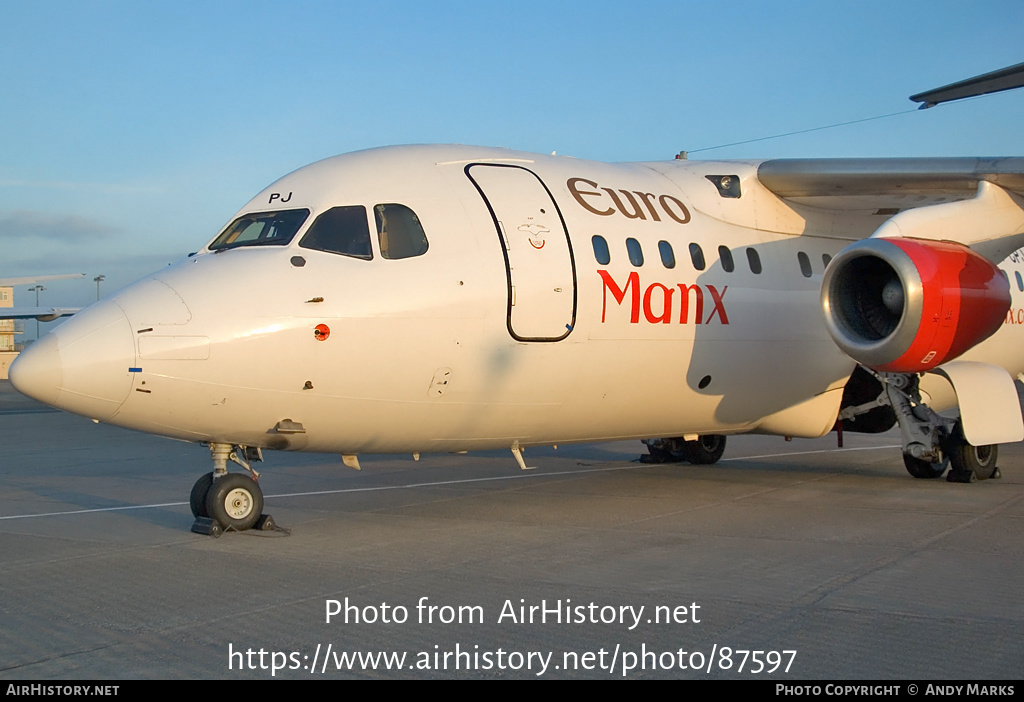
[43, 314]
[994, 82]
[790, 178]
[29, 280]
[978, 202]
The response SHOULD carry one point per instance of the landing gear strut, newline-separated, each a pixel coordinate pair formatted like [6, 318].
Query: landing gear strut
[704, 450]
[931, 442]
[222, 501]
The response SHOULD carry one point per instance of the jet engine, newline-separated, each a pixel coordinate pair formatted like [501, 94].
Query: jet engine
[907, 305]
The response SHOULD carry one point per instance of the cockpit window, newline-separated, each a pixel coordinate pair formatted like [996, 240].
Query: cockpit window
[261, 229]
[340, 230]
[399, 232]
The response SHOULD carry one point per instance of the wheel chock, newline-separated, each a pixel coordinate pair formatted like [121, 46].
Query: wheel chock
[265, 523]
[207, 527]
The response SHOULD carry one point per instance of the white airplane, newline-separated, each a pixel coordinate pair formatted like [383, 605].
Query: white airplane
[455, 298]
[43, 314]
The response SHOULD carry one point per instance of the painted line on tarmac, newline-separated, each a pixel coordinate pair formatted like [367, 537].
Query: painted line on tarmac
[29, 410]
[442, 483]
[808, 453]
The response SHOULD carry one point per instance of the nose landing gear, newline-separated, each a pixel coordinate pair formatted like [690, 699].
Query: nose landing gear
[223, 501]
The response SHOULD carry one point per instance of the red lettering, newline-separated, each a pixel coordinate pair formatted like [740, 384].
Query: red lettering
[666, 310]
[684, 303]
[663, 313]
[719, 305]
[620, 294]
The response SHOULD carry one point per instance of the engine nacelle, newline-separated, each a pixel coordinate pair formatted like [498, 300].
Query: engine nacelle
[907, 305]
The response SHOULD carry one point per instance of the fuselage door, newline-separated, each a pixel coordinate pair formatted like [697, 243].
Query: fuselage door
[537, 250]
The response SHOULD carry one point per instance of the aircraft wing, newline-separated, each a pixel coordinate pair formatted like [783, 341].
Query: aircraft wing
[43, 314]
[888, 176]
[29, 280]
[978, 202]
[994, 82]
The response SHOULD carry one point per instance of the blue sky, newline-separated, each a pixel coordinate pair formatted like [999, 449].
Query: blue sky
[130, 132]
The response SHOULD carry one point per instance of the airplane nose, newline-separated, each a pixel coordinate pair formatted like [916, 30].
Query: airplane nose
[83, 365]
[36, 372]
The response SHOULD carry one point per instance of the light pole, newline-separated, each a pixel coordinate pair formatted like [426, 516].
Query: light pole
[38, 289]
[97, 280]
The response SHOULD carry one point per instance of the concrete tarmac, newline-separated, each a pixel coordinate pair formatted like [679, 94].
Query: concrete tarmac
[837, 555]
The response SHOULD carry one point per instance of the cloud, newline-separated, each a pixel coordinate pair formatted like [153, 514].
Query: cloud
[119, 270]
[58, 261]
[30, 224]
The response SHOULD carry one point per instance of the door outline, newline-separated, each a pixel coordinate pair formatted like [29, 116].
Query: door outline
[502, 240]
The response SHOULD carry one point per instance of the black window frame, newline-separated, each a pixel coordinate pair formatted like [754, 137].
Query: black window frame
[298, 216]
[697, 257]
[668, 256]
[754, 261]
[316, 240]
[409, 223]
[634, 251]
[604, 252]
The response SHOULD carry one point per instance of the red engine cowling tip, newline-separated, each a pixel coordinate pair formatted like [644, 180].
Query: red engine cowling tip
[907, 305]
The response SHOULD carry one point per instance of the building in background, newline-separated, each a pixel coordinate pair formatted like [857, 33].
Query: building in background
[8, 328]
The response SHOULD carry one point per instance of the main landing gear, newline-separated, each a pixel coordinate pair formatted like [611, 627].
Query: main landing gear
[931, 442]
[223, 501]
[704, 450]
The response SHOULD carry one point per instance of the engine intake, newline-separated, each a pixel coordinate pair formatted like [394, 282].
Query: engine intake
[907, 305]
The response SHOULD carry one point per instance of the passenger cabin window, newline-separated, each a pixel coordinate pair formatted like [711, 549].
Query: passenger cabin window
[399, 232]
[726, 257]
[340, 230]
[601, 252]
[826, 259]
[668, 257]
[261, 229]
[754, 260]
[697, 256]
[805, 264]
[636, 254]
[1020, 281]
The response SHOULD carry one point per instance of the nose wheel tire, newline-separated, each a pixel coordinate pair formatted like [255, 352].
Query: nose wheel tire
[236, 501]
